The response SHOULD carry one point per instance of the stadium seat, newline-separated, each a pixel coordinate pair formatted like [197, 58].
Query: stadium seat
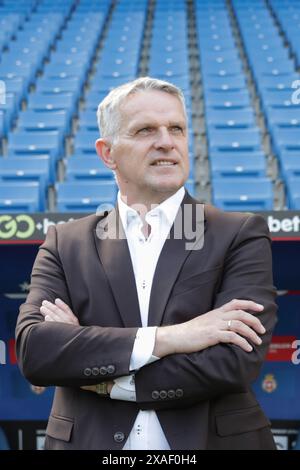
[20, 197]
[239, 164]
[293, 192]
[44, 121]
[243, 194]
[87, 168]
[85, 197]
[88, 120]
[235, 139]
[230, 118]
[36, 143]
[84, 141]
[27, 169]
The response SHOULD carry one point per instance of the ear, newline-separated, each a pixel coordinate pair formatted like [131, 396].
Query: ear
[103, 149]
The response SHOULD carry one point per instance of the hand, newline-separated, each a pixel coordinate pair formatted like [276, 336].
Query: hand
[212, 328]
[92, 388]
[59, 312]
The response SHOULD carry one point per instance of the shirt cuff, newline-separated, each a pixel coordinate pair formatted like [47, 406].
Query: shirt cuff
[124, 389]
[143, 348]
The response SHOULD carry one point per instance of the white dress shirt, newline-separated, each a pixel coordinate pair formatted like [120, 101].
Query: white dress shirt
[146, 433]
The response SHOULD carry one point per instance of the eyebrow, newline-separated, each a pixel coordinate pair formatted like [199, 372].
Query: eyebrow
[141, 125]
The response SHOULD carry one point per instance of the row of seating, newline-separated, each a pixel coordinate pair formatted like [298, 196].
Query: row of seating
[235, 152]
[39, 137]
[274, 73]
[63, 42]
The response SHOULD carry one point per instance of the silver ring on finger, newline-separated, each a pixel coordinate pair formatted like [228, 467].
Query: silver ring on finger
[229, 324]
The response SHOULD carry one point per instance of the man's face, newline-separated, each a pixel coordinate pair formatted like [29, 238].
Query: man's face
[151, 151]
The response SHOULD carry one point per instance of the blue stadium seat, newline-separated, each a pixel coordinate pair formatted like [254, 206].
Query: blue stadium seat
[61, 102]
[44, 121]
[9, 110]
[36, 143]
[88, 121]
[190, 187]
[85, 197]
[239, 164]
[283, 117]
[27, 169]
[289, 162]
[236, 82]
[1, 126]
[20, 197]
[288, 138]
[230, 118]
[227, 99]
[93, 98]
[87, 168]
[51, 86]
[66, 70]
[84, 141]
[235, 139]
[242, 194]
[293, 192]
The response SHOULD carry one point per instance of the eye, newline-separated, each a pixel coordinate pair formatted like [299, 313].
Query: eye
[176, 130]
[145, 130]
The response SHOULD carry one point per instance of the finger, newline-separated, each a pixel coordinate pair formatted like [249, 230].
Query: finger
[63, 306]
[248, 319]
[234, 338]
[48, 318]
[58, 312]
[50, 314]
[245, 331]
[237, 304]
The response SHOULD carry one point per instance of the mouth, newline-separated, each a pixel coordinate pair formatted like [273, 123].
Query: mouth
[164, 163]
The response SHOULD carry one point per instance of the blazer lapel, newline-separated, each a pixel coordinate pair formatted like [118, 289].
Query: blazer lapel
[114, 255]
[174, 253]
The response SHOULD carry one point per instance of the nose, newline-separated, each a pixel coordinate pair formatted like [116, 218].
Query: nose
[163, 141]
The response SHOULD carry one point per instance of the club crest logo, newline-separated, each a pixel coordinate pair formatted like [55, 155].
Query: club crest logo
[269, 383]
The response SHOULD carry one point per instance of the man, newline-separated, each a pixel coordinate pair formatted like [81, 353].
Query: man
[151, 338]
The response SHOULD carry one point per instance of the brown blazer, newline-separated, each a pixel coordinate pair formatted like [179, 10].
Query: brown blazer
[203, 400]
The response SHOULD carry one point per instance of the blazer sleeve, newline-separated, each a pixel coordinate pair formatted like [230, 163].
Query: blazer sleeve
[223, 368]
[51, 353]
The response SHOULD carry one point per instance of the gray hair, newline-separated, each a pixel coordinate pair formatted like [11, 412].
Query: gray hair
[108, 113]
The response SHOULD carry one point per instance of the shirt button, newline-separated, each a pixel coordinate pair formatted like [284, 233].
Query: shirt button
[103, 370]
[119, 436]
[163, 394]
[155, 394]
[95, 370]
[87, 371]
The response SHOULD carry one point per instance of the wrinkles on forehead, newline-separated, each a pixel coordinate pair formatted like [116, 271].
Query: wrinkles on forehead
[157, 111]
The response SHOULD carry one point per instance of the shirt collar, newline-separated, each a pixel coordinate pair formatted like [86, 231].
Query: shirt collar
[168, 208]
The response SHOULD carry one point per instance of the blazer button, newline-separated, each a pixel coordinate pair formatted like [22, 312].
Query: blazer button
[119, 437]
[179, 393]
[111, 369]
[87, 371]
[95, 370]
[103, 370]
[171, 393]
[163, 394]
[155, 394]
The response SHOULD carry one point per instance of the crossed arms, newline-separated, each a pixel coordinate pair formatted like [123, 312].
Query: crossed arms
[200, 356]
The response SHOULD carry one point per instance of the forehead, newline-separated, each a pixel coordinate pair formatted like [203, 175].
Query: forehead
[152, 104]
